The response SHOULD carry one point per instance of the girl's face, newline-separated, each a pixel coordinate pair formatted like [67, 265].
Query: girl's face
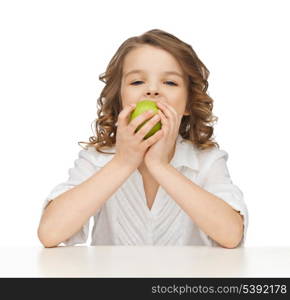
[146, 75]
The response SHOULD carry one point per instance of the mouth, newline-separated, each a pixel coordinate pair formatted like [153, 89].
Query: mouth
[148, 99]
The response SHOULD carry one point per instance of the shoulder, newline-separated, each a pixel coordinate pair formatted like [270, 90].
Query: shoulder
[94, 157]
[213, 166]
[208, 157]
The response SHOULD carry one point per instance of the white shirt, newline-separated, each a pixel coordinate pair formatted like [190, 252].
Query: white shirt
[125, 218]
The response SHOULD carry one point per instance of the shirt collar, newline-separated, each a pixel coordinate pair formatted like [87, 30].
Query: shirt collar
[185, 154]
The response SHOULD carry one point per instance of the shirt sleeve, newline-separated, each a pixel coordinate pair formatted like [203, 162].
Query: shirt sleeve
[218, 182]
[84, 168]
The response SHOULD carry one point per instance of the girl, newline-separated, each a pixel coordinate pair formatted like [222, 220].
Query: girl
[173, 188]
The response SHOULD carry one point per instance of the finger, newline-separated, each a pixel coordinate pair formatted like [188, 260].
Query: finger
[169, 116]
[167, 112]
[148, 126]
[154, 138]
[163, 118]
[164, 122]
[124, 115]
[162, 107]
[141, 119]
[171, 126]
[172, 110]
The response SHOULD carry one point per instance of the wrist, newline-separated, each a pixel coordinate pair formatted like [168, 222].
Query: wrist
[122, 164]
[156, 165]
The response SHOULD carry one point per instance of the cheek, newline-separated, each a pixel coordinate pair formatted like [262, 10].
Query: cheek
[182, 102]
[179, 103]
[122, 90]
[124, 93]
[128, 93]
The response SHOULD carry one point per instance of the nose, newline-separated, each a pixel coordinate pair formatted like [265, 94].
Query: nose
[152, 93]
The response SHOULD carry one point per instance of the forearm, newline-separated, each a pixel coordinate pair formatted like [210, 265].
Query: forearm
[67, 213]
[211, 214]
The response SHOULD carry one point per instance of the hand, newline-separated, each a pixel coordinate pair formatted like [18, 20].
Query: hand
[159, 152]
[130, 146]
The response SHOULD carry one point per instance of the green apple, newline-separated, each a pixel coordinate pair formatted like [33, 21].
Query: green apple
[140, 108]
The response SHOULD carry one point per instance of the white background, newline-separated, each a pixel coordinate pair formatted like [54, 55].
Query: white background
[52, 53]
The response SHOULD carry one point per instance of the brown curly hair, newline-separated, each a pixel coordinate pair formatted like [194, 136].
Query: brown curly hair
[196, 127]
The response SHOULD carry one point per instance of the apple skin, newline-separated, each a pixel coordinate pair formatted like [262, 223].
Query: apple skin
[140, 108]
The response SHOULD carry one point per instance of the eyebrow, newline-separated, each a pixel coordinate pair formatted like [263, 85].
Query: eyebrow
[166, 73]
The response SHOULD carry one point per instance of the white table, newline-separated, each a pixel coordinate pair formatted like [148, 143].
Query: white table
[144, 261]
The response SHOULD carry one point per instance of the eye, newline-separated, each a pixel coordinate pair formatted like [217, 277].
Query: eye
[133, 83]
[171, 83]
[168, 82]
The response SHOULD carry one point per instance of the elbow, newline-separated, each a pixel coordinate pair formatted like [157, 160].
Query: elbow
[237, 235]
[231, 245]
[45, 240]
[48, 245]
[236, 239]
